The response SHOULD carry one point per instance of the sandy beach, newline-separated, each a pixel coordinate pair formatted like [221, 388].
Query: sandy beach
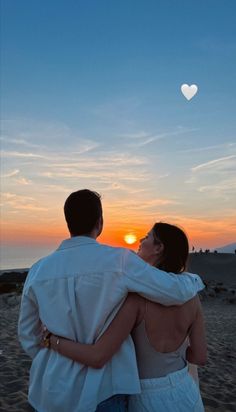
[217, 378]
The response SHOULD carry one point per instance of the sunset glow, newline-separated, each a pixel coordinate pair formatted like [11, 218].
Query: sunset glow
[130, 238]
[80, 111]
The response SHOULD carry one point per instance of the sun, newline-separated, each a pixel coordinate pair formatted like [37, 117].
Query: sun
[130, 238]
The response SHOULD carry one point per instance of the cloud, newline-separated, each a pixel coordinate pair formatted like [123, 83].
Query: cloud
[158, 202]
[19, 202]
[5, 153]
[97, 161]
[100, 168]
[147, 138]
[20, 142]
[122, 186]
[20, 179]
[10, 196]
[51, 154]
[220, 188]
[102, 175]
[138, 135]
[23, 181]
[11, 174]
[208, 148]
[214, 164]
[56, 188]
[31, 207]
[44, 136]
[143, 204]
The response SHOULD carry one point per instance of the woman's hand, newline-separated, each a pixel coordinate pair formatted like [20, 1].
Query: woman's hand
[49, 340]
[45, 337]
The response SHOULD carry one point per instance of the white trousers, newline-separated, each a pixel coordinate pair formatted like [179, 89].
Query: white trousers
[192, 370]
[176, 392]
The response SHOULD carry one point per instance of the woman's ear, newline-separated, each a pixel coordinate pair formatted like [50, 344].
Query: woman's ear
[159, 249]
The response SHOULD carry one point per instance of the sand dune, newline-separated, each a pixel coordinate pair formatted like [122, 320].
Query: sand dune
[219, 267]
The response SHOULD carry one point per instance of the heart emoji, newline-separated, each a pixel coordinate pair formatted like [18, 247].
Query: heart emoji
[189, 91]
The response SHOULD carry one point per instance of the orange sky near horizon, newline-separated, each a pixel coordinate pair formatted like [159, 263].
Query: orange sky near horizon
[31, 228]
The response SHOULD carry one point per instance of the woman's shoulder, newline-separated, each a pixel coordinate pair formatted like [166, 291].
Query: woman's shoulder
[186, 311]
[195, 303]
[136, 299]
[137, 303]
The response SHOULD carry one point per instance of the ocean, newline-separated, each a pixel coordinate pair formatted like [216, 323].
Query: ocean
[21, 257]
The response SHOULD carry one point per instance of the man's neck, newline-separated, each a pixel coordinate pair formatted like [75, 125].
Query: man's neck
[91, 235]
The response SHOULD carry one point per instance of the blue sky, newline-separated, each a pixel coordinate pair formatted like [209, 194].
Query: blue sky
[91, 98]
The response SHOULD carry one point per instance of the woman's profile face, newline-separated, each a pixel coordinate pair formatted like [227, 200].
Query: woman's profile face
[148, 248]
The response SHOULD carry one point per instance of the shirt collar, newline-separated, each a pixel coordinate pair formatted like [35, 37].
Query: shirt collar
[76, 241]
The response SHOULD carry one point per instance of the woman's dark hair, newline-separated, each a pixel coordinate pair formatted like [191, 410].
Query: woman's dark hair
[176, 247]
[82, 210]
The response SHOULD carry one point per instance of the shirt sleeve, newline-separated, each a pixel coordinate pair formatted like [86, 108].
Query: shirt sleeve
[29, 325]
[157, 285]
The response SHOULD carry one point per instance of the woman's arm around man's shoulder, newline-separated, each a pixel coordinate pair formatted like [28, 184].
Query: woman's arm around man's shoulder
[157, 285]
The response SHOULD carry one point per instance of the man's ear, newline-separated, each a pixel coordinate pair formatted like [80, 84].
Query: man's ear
[100, 224]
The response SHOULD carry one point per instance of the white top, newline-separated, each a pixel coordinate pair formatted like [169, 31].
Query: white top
[76, 292]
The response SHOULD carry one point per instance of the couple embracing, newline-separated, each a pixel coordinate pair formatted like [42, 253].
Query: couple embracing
[119, 328]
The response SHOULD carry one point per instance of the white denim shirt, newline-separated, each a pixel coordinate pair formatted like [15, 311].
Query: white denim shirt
[76, 292]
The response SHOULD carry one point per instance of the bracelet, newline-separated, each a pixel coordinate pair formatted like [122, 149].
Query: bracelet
[57, 343]
[46, 340]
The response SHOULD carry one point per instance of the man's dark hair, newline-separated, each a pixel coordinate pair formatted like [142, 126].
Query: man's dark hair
[82, 210]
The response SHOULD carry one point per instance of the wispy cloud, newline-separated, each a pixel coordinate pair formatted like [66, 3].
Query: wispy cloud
[143, 204]
[11, 174]
[15, 176]
[45, 137]
[102, 174]
[23, 181]
[99, 160]
[147, 138]
[111, 167]
[214, 163]
[20, 142]
[31, 207]
[158, 202]
[56, 188]
[221, 187]
[132, 186]
[138, 135]
[13, 196]
[82, 162]
[5, 153]
[208, 148]
[19, 202]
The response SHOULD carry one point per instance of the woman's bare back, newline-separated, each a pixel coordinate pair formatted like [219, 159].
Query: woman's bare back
[167, 327]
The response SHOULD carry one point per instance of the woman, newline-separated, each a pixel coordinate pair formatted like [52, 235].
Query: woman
[165, 338]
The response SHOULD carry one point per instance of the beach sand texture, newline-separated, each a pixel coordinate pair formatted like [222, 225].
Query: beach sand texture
[217, 378]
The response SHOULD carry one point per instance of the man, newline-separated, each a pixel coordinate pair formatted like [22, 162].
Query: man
[76, 291]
